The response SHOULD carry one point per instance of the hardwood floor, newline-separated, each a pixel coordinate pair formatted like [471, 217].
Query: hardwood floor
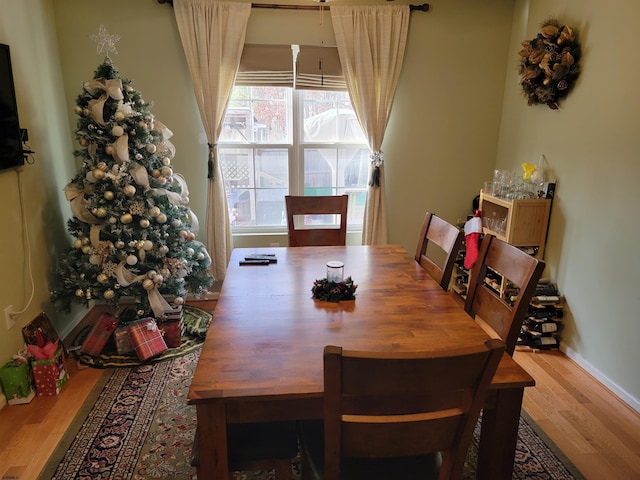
[595, 430]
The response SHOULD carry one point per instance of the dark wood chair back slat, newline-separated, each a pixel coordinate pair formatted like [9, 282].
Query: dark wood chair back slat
[313, 235]
[501, 314]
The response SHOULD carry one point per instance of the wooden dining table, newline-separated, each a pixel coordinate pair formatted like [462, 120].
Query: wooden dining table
[262, 357]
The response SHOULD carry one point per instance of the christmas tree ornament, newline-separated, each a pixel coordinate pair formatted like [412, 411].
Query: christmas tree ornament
[144, 223]
[108, 195]
[126, 218]
[132, 260]
[109, 294]
[161, 218]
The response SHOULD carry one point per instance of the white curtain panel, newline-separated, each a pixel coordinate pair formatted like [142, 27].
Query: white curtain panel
[371, 41]
[212, 34]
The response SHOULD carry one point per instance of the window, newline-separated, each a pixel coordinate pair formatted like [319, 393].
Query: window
[277, 140]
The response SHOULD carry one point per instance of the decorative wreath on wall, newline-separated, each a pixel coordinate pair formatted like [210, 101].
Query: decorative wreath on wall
[549, 66]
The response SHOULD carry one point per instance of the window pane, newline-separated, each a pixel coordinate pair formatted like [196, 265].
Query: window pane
[329, 117]
[256, 181]
[257, 115]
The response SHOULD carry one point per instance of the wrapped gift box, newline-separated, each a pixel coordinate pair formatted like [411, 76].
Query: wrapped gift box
[99, 334]
[123, 339]
[17, 382]
[49, 375]
[172, 332]
[147, 339]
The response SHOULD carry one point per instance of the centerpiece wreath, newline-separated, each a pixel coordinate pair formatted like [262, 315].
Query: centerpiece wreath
[549, 64]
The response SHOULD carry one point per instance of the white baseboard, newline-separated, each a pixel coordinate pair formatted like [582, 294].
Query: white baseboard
[3, 401]
[623, 395]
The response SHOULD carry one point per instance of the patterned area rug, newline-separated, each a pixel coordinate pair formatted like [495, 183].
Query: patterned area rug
[196, 323]
[138, 426]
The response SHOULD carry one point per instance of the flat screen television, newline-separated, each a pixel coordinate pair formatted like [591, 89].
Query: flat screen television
[11, 154]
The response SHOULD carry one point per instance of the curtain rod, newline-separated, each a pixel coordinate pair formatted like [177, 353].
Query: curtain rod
[421, 8]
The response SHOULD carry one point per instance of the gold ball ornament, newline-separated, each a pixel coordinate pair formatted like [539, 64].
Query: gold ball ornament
[109, 294]
[98, 174]
[90, 178]
[166, 171]
[126, 218]
[101, 212]
[132, 260]
[86, 249]
[108, 195]
[102, 277]
[119, 116]
[154, 211]
[79, 293]
[109, 149]
[77, 243]
[148, 284]
[102, 166]
[117, 131]
[166, 161]
[147, 245]
[95, 259]
[83, 141]
[151, 148]
[77, 110]
[129, 190]
[144, 223]
[155, 173]
[162, 218]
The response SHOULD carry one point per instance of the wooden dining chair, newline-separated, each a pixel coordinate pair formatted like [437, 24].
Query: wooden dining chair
[397, 414]
[446, 239]
[258, 446]
[307, 233]
[501, 284]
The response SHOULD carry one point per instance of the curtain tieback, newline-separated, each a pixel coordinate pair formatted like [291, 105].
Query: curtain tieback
[377, 159]
[210, 164]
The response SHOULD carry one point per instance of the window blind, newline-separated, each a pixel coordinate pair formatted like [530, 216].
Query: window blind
[269, 65]
[318, 68]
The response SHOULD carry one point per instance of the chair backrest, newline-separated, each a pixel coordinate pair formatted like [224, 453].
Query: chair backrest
[448, 239]
[499, 302]
[399, 404]
[309, 234]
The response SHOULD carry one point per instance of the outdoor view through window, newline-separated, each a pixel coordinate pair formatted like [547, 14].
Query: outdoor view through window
[277, 141]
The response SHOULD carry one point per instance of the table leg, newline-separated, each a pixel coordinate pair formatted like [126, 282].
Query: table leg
[212, 438]
[499, 435]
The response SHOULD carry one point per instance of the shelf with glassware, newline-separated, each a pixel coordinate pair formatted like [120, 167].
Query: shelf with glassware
[520, 222]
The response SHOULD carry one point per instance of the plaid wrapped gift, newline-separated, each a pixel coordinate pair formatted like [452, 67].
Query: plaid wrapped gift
[16, 382]
[147, 339]
[123, 339]
[99, 334]
[172, 332]
[49, 375]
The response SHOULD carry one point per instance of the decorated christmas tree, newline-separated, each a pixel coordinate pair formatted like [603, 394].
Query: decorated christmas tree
[133, 228]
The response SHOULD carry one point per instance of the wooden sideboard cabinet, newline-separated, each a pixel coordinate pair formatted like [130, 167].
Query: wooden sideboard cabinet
[522, 223]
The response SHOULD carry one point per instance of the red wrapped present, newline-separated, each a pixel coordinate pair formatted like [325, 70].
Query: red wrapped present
[49, 375]
[172, 332]
[39, 331]
[147, 339]
[123, 339]
[99, 334]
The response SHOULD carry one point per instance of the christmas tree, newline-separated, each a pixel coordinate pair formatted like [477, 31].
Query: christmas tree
[134, 231]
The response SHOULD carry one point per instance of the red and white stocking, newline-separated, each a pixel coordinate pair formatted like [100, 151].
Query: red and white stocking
[472, 231]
